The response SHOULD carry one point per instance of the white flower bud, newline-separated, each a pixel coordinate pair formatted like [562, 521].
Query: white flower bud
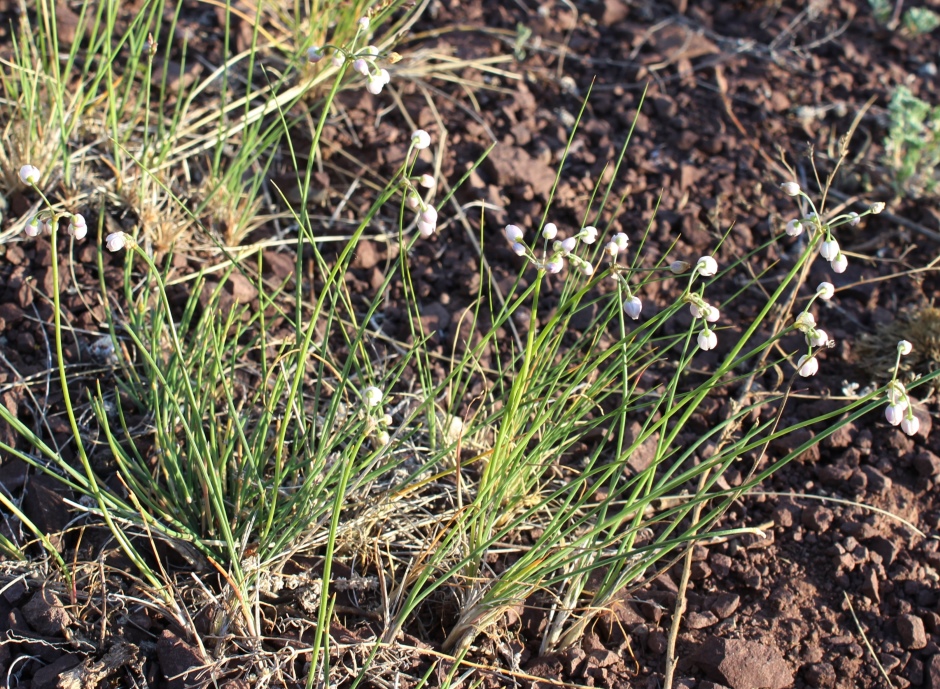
[361, 66]
[29, 175]
[808, 365]
[555, 265]
[413, 201]
[905, 347]
[518, 249]
[377, 82]
[707, 339]
[854, 219]
[314, 54]
[877, 207]
[633, 307]
[339, 59]
[829, 249]
[382, 438]
[910, 424]
[586, 268]
[427, 221]
[679, 267]
[372, 396]
[513, 233]
[78, 228]
[825, 291]
[839, 263]
[894, 413]
[116, 241]
[33, 227]
[363, 23]
[794, 228]
[588, 234]
[549, 231]
[621, 240]
[817, 338]
[805, 321]
[426, 181]
[790, 188]
[568, 245]
[611, 249]
[421, 139]
[712, 314]
[706, 266]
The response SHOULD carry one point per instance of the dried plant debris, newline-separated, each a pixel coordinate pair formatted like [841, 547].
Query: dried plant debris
[878, 351]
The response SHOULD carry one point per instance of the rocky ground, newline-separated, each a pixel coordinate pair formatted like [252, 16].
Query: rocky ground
[839, 585]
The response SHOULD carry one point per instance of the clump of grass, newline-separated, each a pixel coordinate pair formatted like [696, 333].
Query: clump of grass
[876, 352]
[292, 426]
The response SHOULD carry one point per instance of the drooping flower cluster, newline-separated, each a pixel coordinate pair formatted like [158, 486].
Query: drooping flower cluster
[829, 247]
[427, 214]
[632, 304]
[899, 411]
[46, 221]
[377, 420]
[561, 249]
[706, 266]
[808, 364]
[363, 61]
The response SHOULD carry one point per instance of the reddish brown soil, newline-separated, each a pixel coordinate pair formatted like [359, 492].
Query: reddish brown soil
[729, 83]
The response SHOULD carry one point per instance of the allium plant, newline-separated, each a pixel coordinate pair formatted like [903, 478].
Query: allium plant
[304, 442]
[551, 394]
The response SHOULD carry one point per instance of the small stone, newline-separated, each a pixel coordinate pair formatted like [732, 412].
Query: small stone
[885, 547]
[889, 662]
[701, 620]
[869, 585]
[45, 613]
[743, 664]
[178, 660]
[911, 630]
[656, 642]
[834, 475]
[241, 288]
[817, 518]
[721, 564]
[932, 673]
[48, 677]
[367, 255]
[877, 482]
[650, 610]
[435, 318]
[927, 463]
[725, 604]
[820, 675]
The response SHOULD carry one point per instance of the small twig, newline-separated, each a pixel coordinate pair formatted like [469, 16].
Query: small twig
[843, 501]
[909, 224]
[865, 639]
[671, 659]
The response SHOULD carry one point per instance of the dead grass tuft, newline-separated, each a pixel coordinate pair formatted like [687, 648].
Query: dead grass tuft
[877, 352]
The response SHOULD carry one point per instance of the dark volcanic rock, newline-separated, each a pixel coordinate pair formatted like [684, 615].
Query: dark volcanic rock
[743, 664]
